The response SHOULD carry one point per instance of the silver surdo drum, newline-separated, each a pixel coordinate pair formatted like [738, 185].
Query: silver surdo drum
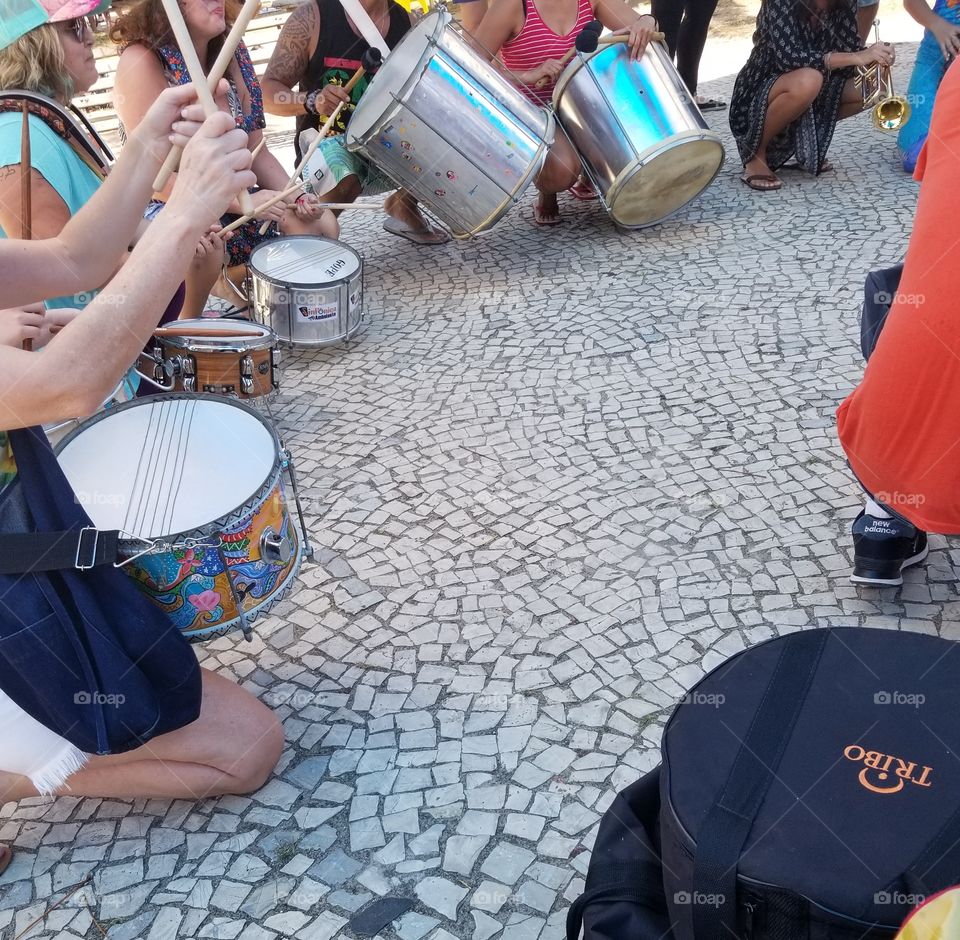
[640, 134]
[307, 289]
[442, 123]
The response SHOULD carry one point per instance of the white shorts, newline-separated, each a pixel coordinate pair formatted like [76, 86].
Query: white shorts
[32, 750]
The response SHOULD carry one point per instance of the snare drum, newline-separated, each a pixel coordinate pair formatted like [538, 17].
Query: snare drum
[125, 390]
[308, 289]
[446, 126]
[203, 361]
[638, 131]
[200, 477]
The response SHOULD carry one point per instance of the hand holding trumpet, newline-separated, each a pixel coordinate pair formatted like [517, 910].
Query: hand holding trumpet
[880, 53]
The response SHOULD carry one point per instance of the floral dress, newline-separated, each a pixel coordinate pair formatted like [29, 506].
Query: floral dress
[789, 37]
[247, 237]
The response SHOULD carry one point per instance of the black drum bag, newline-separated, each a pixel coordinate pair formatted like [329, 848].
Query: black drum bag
[810, 790]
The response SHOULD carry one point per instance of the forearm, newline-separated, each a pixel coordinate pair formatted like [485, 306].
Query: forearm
[270, 172]
[841, 60]
[921, 12]
[281, 99]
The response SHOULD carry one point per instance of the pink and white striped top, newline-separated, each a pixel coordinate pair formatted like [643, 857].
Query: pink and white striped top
[536, 43]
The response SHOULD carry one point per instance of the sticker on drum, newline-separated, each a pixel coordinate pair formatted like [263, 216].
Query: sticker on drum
[302, 288]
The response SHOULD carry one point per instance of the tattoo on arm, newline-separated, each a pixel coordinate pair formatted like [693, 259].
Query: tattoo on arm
[291, 56]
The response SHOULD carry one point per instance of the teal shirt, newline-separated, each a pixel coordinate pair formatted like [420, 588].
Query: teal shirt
[55, 160]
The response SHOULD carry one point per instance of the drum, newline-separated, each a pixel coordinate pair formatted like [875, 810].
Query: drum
[125, 390]
[196, 480]
[211, 360]
[445, 125]
[640, 134]
[308, 289]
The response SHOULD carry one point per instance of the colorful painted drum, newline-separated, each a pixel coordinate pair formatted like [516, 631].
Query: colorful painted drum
[308, 289]
[200, 477]
[638, 131]
[441, 122]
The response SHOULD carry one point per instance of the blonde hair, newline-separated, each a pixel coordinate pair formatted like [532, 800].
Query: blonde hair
[35, 62]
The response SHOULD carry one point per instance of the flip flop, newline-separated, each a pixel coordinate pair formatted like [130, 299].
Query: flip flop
[755, 178]
[545, 220]
[6, 857]
[711, 104]
[430, 236]
[583, 189]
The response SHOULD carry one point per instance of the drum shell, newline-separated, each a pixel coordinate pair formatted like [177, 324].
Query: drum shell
[335, 308]
[640, 135]
[451, 129]
[199, 587]
[220, 366]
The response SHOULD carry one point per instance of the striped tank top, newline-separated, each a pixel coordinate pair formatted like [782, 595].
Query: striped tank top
[536, 43]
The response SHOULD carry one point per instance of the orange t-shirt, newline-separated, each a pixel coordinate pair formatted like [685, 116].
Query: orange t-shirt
[900, 427]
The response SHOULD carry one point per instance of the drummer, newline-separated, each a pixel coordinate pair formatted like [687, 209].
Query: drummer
[531, 37]
[319, 60]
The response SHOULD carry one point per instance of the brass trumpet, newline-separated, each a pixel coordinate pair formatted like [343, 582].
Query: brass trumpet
[890, 111]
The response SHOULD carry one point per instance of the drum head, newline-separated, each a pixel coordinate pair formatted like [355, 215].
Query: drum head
[662, 182]
[398, 68]
[207, 336]
[304, 261]
[168, 464]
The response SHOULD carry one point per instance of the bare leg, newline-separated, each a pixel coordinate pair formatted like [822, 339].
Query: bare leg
[851, 101]
[789, 97]
[200, 279]
[231, 748]
[865, 18]
[404, 208]
[560, 171]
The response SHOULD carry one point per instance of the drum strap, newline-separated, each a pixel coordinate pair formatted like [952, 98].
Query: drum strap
[78, 549]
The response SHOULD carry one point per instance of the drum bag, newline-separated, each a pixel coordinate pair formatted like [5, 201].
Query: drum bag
[879, 290]
[810, 790]
[84, 652]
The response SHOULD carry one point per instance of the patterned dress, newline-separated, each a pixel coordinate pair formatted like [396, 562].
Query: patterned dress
[789, 38]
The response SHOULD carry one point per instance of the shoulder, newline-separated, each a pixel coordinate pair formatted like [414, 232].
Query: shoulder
[45, 143]
[302, 22]
[138, 60]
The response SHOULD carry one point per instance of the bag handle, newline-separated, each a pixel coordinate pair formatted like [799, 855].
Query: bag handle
[727, 825]
[640, 884]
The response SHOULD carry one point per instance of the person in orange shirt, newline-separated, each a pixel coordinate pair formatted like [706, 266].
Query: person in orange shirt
[900, 428]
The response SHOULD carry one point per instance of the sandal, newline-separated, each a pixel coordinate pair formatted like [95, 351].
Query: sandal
[711, 104]
[583, 189]
[756, 178]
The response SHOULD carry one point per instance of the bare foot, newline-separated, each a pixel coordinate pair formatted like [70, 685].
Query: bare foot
[547, 210]
[407, 221]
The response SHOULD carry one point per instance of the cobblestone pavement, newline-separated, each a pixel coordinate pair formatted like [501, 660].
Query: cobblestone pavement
[561, 474]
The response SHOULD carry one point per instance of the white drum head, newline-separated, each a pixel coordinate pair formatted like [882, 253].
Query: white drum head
[397, 69]
[168, 465]
[304, 261]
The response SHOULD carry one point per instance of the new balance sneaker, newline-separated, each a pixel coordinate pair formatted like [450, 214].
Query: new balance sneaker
[882, 548]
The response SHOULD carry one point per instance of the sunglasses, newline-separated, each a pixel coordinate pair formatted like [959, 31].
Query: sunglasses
[82, 24]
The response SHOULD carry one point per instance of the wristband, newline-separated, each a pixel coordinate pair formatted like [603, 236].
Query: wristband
[310, 102]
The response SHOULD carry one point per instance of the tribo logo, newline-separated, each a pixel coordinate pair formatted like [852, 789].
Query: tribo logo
[884, 773]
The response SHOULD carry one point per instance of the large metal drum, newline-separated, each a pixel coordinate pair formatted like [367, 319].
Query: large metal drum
[443, 124]
[307, 289]
[638, 131]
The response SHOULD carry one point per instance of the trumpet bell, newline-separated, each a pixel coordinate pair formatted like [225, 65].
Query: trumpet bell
[891, 113]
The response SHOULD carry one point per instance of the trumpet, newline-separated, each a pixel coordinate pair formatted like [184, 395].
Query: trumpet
[890, 111]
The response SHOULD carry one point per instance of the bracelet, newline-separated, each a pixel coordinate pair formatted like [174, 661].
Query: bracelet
[301, 196]
[826, 61]
[310, 102]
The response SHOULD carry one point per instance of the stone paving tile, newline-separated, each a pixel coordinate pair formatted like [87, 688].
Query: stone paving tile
[559, 475]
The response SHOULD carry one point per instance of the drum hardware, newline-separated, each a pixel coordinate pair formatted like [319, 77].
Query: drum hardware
[286, 461]
[889, 110]
[275, 547]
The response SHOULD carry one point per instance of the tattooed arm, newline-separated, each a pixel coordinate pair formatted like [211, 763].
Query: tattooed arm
[288, 64]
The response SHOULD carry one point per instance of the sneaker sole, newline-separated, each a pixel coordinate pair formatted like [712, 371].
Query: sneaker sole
[890, 582]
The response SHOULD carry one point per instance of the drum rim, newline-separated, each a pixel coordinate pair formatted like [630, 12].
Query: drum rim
[223, 521]
[256, 272]
[238, 344]
[443, 17]
[651, 153]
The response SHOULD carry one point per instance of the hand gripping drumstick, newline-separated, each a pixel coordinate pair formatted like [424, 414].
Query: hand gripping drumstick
[588, 40]
[371, 60]
[205, 85]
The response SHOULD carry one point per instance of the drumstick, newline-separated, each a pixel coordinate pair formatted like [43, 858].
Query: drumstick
[256, 150]
[200, 81]
[269, 204]
[26, 192]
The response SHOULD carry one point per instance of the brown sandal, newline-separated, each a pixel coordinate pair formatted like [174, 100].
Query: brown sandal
[6, 857]
[755, 178]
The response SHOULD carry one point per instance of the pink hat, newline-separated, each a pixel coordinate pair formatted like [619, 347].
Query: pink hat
[18, 17]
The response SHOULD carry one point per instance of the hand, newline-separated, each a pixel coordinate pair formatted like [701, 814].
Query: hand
[881, 53]
[641, 33]
[19, 324]
[276, 211]
[53, 322]
[215, 167]
[947, 36]
[545, 74]
[210, 246]
[325, 102]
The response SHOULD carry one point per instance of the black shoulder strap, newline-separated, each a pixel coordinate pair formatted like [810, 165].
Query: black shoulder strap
[727, 825]
[79, 549]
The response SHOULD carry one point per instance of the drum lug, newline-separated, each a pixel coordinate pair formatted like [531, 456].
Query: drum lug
[246, 385]
[275, 548]
[190, 383]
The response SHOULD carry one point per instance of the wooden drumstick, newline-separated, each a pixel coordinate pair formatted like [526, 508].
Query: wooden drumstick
[256, 150]
[269, 204]
[26, 191]
[204, 86]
